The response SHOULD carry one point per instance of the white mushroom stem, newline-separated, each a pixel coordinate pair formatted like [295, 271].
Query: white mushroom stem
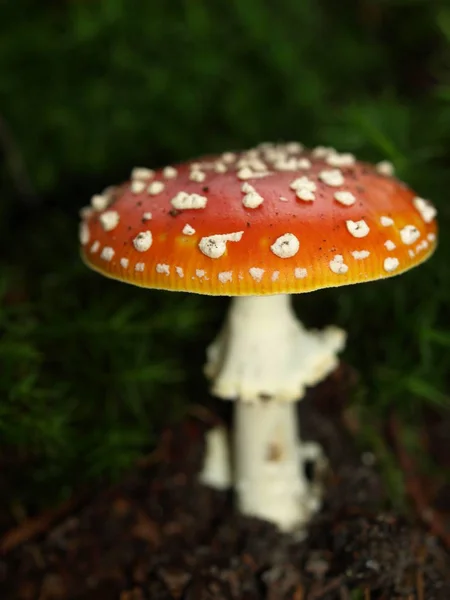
[264, 351]
[269, 475]
[264, 359]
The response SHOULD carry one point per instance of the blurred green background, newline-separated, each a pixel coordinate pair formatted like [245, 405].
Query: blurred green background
[90, 370]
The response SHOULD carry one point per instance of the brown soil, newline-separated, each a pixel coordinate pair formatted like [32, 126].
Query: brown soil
[160, 535]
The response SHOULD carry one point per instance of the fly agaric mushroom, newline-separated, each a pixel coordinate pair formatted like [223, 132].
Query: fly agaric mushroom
[259, 226]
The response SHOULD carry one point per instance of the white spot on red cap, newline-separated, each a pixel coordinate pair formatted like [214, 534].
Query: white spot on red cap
[423, 245]
[84, 234]
[185, 201]
[179, 271]
[142, 173]
[246, 188]
[300, 273]
[137, 186]
[336, 159]
[385, 167]
[256, 273]
[386, 221]
[333, 177]
[251, 199]
[107, 253]
[389, 245]
[427, 211]
[409, 234]
[163, 269]
[248, 173]
[147, 216]
[124, 262]
[140, 266]
[228, 157]
[169, 172]
[197, 175]
[188, 229]
[360, 254]
[86, 212]
[431, 237]
[303, 183]
[99, 202]
[275, 275]
[303, 163]
[220, 167]
[143, 241]
[245, 173]
[109, 220]
[214, 246]
[345, 198]
[225, 276]
[109, 191]
[337, 265]
[294, 147]
[322, 151]
[201, 273]
[95, 246]
[305, 195]
[285, 164]
[156, 187]
[304, 188]
[252, 162]
[358, 229]
[391, 263]
[286, 246]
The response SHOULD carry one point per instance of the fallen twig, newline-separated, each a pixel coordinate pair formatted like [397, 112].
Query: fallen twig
[414, 486]
[43, 522]
[31, 528]
[331, 586]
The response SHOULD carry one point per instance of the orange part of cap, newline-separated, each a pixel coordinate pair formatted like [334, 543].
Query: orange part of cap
[276, 219]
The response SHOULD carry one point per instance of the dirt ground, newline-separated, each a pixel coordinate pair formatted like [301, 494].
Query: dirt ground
[160, 535]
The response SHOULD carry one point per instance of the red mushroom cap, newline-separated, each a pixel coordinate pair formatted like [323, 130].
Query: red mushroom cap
[275, 219]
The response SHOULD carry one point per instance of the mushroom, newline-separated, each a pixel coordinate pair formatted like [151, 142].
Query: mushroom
[259, 226]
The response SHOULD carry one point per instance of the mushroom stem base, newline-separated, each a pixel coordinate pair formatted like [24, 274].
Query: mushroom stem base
[270, 477]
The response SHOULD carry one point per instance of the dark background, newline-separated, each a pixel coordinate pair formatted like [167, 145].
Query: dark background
[90, 369]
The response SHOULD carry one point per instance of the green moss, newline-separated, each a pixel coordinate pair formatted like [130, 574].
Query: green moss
[91, 369]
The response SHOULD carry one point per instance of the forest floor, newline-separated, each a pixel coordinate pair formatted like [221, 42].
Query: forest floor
[160, 535]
